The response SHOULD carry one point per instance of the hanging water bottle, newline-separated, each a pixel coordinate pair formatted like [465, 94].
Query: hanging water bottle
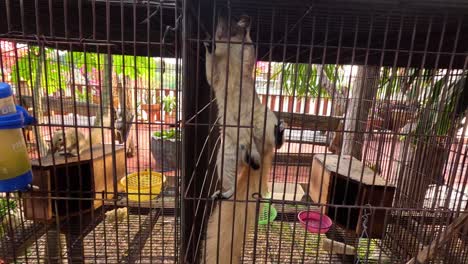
[15, 166]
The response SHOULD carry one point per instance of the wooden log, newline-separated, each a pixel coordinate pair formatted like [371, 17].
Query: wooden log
[360, 102]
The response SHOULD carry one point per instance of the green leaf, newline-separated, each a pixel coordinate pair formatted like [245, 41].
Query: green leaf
[136, 67]
[169, 103]
[5, 206]
[168, 134]
[304, 79]
[53, 73]
[89, 60]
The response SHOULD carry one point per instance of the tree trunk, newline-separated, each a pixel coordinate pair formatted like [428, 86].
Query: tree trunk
[37, 94]
[120, 106]
[363, 94]
[338, 94]
[107, 85]
[131, 116]
[103, 117]
[125, 117]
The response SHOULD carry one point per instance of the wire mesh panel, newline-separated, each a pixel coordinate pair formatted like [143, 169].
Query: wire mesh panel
[241, 131]
[102, 79]
[372, 97]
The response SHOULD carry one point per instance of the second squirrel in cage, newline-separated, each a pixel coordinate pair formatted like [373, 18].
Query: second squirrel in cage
[72, 141]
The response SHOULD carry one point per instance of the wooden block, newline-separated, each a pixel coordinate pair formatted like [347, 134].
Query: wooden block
[355, 170]
[37, 205]
[378, 196]
[344, 180]
[77, 178]
[319, 183]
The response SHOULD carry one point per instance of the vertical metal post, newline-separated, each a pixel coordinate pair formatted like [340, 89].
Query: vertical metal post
[196, 94]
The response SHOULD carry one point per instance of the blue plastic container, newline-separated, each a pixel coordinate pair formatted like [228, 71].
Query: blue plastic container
[15, 166]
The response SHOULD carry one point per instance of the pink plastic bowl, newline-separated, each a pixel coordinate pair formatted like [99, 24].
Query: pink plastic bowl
[315, 222]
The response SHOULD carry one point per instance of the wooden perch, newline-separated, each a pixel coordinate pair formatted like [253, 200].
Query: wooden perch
[309, 122]
[428, 252]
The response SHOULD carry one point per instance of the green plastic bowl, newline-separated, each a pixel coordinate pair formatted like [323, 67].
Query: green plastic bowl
[264, 218]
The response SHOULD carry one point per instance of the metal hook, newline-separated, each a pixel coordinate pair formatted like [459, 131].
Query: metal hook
[257, 196]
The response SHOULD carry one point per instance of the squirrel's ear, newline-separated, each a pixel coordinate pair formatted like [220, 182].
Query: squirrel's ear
[244, 22]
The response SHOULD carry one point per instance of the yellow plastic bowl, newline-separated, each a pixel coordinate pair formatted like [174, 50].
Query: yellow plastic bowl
[148, 190]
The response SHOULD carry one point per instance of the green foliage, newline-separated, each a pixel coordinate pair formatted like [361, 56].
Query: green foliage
[440, 113]
[89, 60]
[168, 134]
[335, 75]
[83, 96]
[369, 251]
[5, 206]
[400, 81]
[53, 73]
[387, 83]
[169, 103]
[299, 79]
[133, 67]
[136, 67]
[305, 79]
[436, 93]
[438, 96]
[57, 67]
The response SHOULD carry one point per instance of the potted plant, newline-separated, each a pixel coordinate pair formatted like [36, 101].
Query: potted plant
[164, 147]
[152, 107]
[169, 106]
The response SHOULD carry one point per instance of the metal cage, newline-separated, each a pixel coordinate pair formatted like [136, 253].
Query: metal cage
[145, 109]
